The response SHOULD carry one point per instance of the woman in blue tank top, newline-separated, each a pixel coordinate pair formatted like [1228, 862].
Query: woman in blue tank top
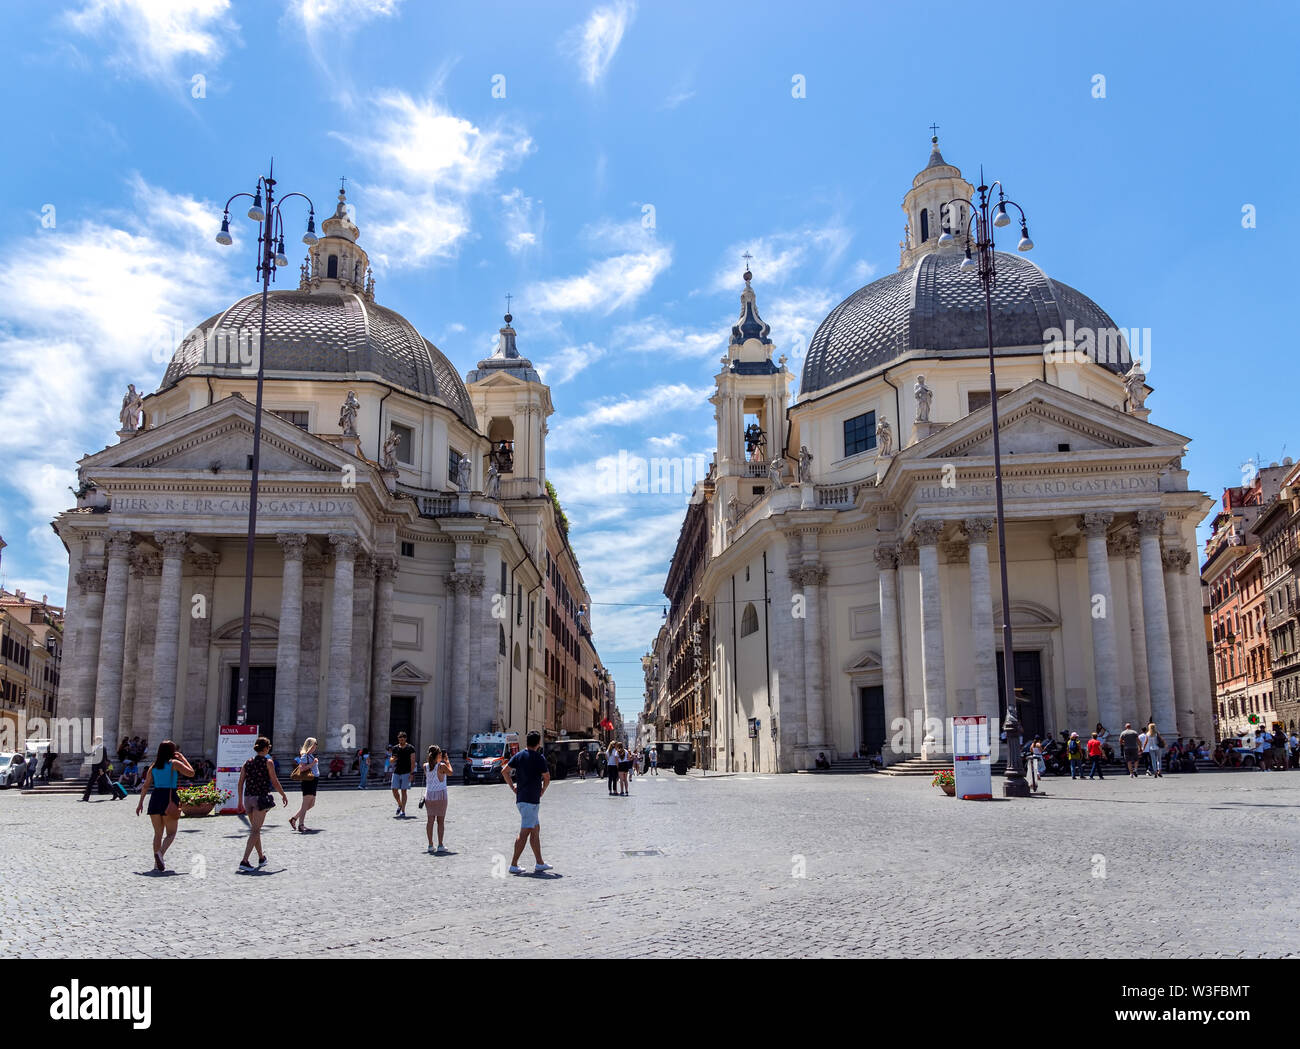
[160, 784]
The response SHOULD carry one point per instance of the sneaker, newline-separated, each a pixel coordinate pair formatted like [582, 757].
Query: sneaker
[397, 813]
[442, 850]
[244, 865]
[261, 861]
[541, 868]
[516, 870]
[430, 850]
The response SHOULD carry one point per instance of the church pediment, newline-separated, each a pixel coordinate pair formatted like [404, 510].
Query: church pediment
[868, 662]
[407, 673]
[1039, 418]
[218, 438]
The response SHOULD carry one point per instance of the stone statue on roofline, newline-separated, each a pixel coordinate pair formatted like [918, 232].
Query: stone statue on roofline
[132, 405]
[390, 451]
[884, 439]
[348, 414]
[924, 395]
[805, 464]
[1135, 382]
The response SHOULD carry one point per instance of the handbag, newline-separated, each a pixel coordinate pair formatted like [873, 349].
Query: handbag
[173, 808]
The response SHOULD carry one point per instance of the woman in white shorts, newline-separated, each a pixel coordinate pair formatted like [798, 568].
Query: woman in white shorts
[437, 768]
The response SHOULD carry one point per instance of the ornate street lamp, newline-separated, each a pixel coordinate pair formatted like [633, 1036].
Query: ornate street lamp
[984, 261]
[270, 256]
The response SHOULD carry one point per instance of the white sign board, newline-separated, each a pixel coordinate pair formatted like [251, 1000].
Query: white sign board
[234, 747]
[972, 767]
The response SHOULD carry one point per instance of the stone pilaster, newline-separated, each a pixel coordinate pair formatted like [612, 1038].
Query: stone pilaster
[381, 685]
[310, 711]
[1160, 670]
[288, 645]
[462, 583]
[1175, 561]
[891, 652]
[1137, 632]
[130, 647]
[339, 688]
[983, 643]
[809, 580]
[167, 636]
[151, 580]
[1101, 607]
[363, 632]
[935, 675]
[196, 737]
[112, 638]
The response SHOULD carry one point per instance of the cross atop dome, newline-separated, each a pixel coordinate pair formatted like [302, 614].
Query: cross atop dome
[750, 325]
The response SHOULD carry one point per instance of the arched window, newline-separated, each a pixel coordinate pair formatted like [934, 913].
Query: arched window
[749, 621]
[332, 268]
[925, 225]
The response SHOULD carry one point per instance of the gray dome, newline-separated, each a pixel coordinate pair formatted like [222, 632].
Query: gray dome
[323, 333]
[935, 307]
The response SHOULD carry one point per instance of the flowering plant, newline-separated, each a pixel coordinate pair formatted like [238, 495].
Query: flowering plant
[203, 794]
[943, 778]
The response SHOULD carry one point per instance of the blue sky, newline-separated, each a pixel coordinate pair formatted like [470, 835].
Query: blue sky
[638, 150]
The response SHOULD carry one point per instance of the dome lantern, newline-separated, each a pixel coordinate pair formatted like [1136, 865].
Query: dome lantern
[336, 261]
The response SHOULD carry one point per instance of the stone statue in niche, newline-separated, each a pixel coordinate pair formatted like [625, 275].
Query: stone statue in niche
[805, 464]
[390, 451]
[348, 414]
[924, 395]
[462, 474]
[884, 438]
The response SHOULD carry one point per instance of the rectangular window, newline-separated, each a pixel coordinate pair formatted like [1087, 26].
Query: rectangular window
[977, 399]
[299, 419]
[859, 434]
[408, 549]
[453, 466]
[405, 443]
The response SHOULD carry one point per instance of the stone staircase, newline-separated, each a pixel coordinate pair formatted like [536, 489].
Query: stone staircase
[919, 766]
[847, 767]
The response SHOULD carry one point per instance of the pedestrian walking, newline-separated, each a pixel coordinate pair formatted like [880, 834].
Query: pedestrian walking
[1096, 755]
[1074, 754]
[98, 776]
[363, 761]
[1036, 763]
[624, 767]
[437, 767]
[403, 757]
[160, 784]
[582, 764]
[611, 768]
[1151, 745]
[528, 775]
[306, 770]
[654, 761]
[1129, 748]
[1279, 748]
[256, 781]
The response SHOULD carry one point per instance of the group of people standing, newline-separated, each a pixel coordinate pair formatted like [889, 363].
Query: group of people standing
[621, 763]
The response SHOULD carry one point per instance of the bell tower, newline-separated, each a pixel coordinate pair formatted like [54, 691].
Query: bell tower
[927, 209]
[750, 397]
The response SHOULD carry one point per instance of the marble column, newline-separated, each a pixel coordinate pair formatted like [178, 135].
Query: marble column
[310, 711]
[459, 583]
[151, 569]
[1160, 670]
[195, 737]
[167, 636]
[1101, 608]
[381, 675]
[1137, 631]
[983, 641]
[909, 625]
[927, 533]
[339, 689]
[1175, 561]
[891, 652]
[131, 644]
[288, 644]
[112, 638]
[91, 580]
[810, 579]
[363, 633]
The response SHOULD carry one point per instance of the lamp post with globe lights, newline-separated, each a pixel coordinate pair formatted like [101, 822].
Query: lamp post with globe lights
[270, 257]
[984, 264]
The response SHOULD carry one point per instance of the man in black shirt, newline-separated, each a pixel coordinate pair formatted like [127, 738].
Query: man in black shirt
[403, 763]
[528, 775]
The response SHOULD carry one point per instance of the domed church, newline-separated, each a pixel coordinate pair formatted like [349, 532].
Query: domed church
[849, 601]
[404, 532]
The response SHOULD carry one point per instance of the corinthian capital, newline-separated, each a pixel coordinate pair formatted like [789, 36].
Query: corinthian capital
[927, 532]
[1150, 522]
[119, 544]
[977, 529]
[1095, 524]
[1064, 546]
[345, 545]
[173, 544]
[91, 579]
[293, 544]
[1175, 558]
[887, 557]
[386, 569]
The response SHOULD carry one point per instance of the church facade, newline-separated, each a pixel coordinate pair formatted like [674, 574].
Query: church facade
[402, 532]
[850, 599]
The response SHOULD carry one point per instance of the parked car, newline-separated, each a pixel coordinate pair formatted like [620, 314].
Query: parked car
[13, 767]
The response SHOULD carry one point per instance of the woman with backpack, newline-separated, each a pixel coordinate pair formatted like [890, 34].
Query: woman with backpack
[160, 784]
[256, 781]
[1074, 752]
[306, 770]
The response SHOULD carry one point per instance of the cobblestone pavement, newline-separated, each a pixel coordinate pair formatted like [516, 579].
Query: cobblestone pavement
[685, 866]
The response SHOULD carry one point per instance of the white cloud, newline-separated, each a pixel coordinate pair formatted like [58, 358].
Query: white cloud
[626, 410]
[428, 165]
[794, 318]
[657, 336]
[339, 15]
[594, 43]
[607, 284]
[780, 256]
[666, 442]
[87, 308]
[568, 362]
[863, 271]
[151, 37]
[523, 221]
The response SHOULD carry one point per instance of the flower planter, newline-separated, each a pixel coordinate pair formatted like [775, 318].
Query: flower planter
[949, 789]
[197, 810]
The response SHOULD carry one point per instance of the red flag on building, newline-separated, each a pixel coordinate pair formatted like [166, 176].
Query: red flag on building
[607, 725]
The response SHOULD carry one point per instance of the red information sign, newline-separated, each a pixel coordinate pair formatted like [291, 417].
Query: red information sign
[234, 747]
